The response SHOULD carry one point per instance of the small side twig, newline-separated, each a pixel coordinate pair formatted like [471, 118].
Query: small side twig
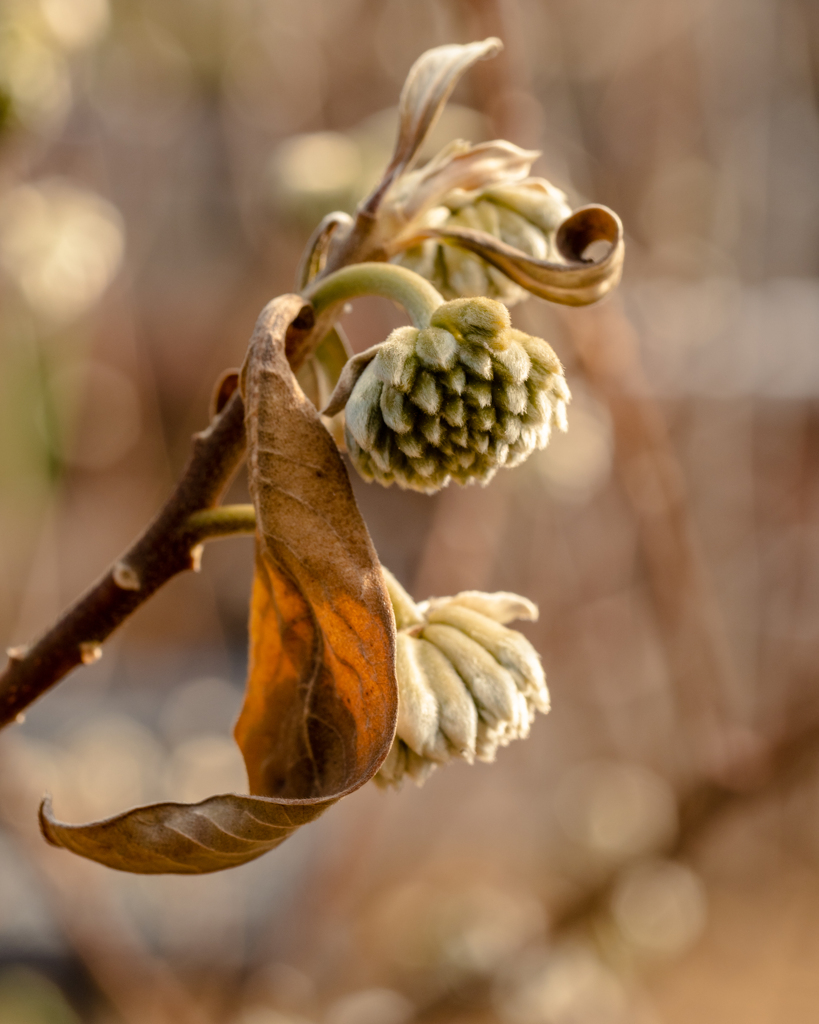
[167, 547]
[225, 521]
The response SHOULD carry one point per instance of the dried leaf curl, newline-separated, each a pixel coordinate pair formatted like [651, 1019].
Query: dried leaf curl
[577, 282]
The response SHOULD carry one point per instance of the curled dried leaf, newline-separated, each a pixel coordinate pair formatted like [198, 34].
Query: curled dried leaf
[320, 712]
[184, 839]
[577, 282]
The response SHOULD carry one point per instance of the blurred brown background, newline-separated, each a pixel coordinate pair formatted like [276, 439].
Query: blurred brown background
[651, 853]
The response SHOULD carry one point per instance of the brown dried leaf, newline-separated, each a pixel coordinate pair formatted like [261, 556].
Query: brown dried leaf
[321, 704]
[578, 282]
[322, 698]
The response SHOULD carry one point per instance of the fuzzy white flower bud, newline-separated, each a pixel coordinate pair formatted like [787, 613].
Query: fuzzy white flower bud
[466, 684]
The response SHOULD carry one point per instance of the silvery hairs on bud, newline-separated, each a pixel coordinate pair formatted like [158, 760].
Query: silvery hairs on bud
[453, 401]
[466, 683]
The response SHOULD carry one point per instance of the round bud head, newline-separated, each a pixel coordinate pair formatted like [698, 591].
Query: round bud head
[454, 401]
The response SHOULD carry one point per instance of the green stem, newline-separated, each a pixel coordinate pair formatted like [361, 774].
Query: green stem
[404, 286]
[224, 521]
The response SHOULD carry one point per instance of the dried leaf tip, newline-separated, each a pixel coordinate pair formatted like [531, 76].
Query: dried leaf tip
[515, 240]
[466, 684]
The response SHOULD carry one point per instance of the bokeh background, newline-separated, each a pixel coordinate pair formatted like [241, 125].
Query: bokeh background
[650, 855]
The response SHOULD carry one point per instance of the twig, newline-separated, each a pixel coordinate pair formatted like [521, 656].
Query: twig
[225, 521]
[167, 547]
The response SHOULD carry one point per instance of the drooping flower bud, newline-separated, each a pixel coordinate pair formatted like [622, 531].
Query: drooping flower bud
[466, 684]
[455, 400]
[523, 214]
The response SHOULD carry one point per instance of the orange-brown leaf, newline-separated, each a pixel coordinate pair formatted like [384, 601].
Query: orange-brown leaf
[321, 704]
[321, 700]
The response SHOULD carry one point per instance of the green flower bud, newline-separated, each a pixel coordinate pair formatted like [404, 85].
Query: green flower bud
[525, 215]
[466, 684]
[455, 400]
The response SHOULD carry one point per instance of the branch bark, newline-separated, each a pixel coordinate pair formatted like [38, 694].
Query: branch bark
[167, 547]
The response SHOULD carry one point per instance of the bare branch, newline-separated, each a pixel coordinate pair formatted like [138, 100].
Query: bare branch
[167, 547]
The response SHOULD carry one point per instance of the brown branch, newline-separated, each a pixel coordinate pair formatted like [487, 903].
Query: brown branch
[167, 547]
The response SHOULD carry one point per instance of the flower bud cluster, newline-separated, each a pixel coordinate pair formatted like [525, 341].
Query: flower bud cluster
[455, 400]
[466, 684]
[525, 215]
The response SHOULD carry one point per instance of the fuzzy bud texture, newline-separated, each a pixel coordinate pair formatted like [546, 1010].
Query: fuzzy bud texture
[456, 400]
[525, 215]
[466, 684]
